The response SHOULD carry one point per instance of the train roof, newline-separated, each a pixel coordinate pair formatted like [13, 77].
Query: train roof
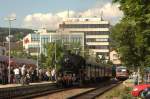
[17, 60]
[3, 58]
[93, 62]
[25, 61]
[121, 67]
[97, 64]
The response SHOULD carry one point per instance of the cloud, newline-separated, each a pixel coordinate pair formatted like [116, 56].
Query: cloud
[109, 12]
[13, 15]
[64, 14]
[47, 20]
[38, 20]
[52, 20]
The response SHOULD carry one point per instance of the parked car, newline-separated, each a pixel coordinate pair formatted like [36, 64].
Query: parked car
[138, 89]
[145, 94]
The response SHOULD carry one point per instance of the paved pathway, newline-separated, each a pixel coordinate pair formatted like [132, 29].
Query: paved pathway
[129, 83]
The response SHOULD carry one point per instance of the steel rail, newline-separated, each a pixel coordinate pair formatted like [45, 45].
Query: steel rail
[92, 94]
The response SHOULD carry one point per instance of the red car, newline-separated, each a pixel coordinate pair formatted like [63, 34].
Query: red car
[138, 89]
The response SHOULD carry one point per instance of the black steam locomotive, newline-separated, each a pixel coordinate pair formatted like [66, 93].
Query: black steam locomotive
[76, 71]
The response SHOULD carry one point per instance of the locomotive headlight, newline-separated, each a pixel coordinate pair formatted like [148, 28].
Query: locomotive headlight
[66, 59]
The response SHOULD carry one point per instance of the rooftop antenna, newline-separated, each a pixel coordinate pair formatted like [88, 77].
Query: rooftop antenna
[42, 26]
[101, 15]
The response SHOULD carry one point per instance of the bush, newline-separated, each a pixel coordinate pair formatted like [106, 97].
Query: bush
[126, 93]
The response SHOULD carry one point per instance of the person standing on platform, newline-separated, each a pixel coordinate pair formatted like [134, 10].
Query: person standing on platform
[17, 75]
[23, 70]
[40, 74]
[48, 75]
[53, 74]
[4, 75]
[11, 75]
[23, 74]
[28, 76]
[135, 78]
[0, 74]
[35, 75]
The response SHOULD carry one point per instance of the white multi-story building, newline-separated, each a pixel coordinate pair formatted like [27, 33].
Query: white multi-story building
[114, 57]
[34, 43]
[96, 33]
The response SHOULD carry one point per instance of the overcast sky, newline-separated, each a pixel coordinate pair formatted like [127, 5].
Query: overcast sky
[49, 13]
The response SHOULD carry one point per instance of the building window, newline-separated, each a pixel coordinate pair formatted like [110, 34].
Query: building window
[97, 33]
[102, 40]
[97, 40]
[103, 53]
[84, 26]
[98, 47]
[34, 38]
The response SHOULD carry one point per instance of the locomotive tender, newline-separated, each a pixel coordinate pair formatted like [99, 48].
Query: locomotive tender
[76, 71]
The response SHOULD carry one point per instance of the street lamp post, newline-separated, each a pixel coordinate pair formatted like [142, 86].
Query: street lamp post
[38, 50]
[55, 58]
[55, 54]
[9, 19]
[37, 61]
[39, 54]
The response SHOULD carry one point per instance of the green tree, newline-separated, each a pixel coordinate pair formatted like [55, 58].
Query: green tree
[74, 47]
[132, 35]
[20, 53]
[50, 54]
[42, 60]
[50, 60]
[60, 50]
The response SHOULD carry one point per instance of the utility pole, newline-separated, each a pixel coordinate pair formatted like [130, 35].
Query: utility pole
[9, 19]
[9, 53]
[37, 62]
[55, 59]
[55, 54]
[38, 50]
[38, 57]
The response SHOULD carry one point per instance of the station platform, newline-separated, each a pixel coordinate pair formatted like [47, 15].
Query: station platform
[17, 85]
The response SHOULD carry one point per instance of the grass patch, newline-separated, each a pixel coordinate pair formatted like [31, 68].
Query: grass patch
[119, 92]
[126, 93]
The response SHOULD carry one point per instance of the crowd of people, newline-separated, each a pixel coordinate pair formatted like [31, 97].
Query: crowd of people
[138, 79]
[25, 75]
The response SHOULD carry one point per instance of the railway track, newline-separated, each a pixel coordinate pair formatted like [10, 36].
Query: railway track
[74, 93]
[92, 94]
[29, 91]
[32, 91]
[51, 90]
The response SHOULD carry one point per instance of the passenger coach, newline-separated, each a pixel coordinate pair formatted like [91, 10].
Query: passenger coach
[122, 72]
